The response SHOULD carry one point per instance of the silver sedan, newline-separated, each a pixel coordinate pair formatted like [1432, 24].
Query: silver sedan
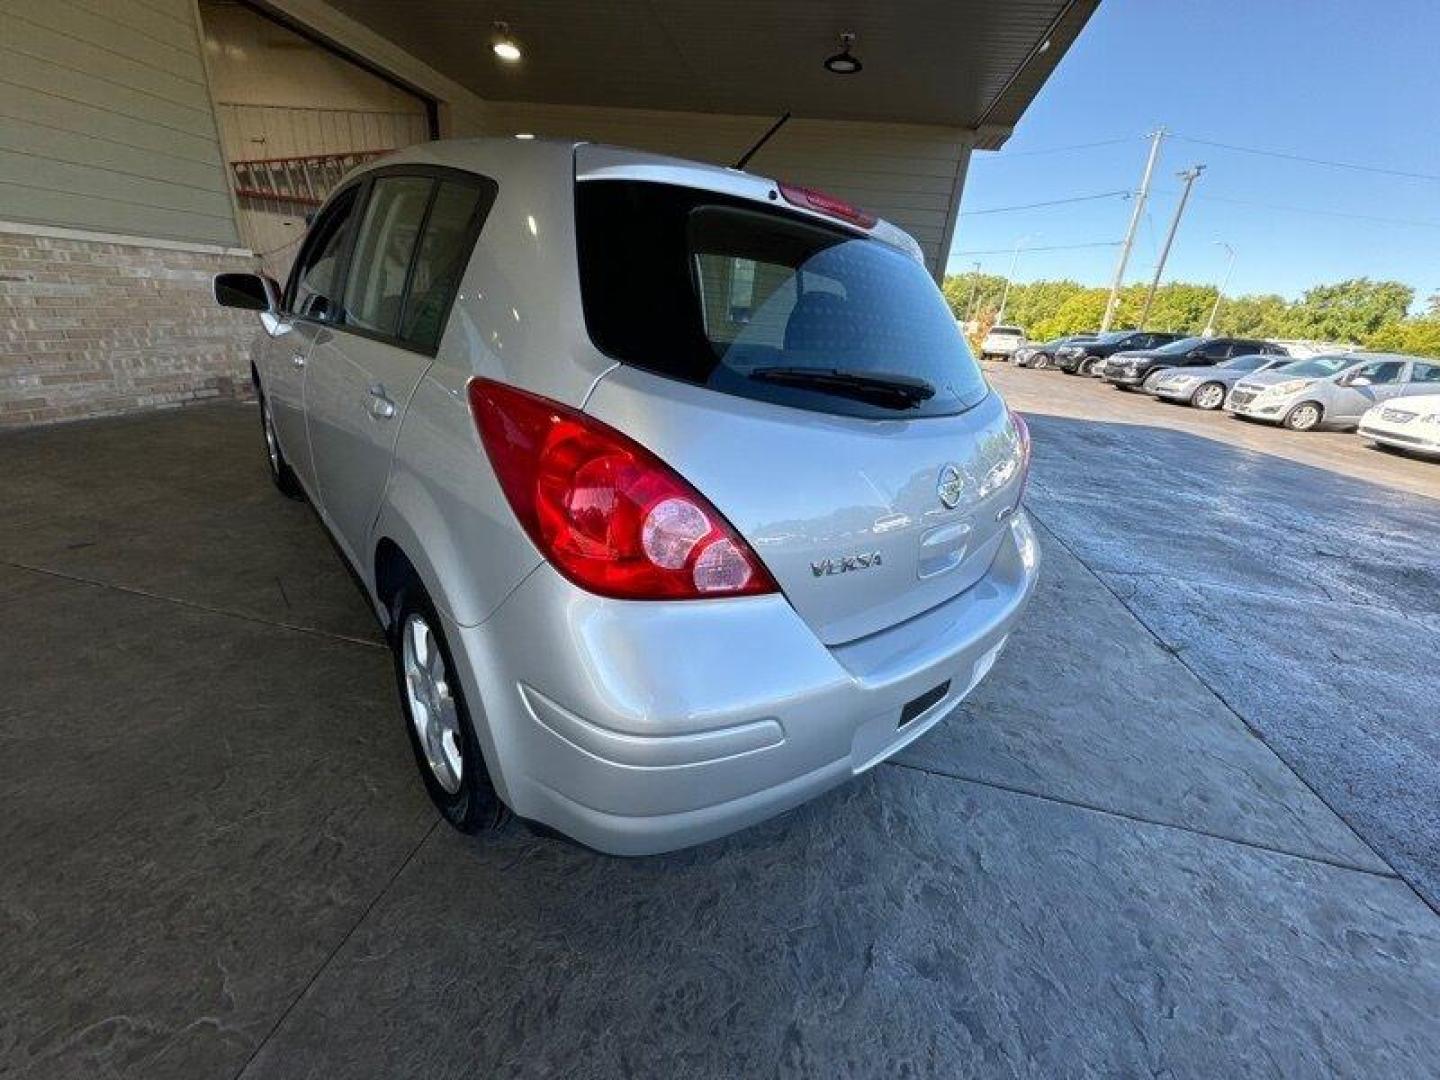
[1206, 387]
[1333, 390]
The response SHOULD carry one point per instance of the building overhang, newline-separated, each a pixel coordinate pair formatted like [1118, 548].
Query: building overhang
[967, 64]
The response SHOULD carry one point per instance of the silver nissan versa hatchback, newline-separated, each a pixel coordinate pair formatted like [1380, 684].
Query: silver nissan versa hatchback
[676, 489]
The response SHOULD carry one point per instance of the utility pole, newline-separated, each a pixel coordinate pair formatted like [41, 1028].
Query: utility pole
[974, 287]
[1156, 138]
[1224, 284]
[1189, 176]
[1005, 293]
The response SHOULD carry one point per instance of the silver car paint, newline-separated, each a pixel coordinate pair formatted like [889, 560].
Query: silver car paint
[1226, 377]
[641, 727]
[1342, 406]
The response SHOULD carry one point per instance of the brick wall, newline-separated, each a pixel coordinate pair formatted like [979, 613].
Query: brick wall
[91, 329]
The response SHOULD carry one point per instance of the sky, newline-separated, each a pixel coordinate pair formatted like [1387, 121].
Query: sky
[1355, 82]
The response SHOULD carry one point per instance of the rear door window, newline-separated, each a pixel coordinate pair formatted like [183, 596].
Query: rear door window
[747, 300]
[394, 216]
[456, 216]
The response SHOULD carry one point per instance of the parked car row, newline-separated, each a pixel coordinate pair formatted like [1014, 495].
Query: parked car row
[1390, 399]
[1380, 394]
[1042, 354]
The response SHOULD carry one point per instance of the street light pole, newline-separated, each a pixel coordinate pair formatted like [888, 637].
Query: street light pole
[1224, 284]
[1190, 175]
[1005, 294]
[1156, 138]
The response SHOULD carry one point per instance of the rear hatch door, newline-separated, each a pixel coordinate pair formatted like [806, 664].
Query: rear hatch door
[811, 382]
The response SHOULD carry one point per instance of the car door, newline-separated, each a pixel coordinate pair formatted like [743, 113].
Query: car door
[310, 302]
[1364, 386]
[414, 237]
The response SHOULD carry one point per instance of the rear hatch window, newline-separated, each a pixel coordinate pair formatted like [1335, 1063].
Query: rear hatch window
[740, 298]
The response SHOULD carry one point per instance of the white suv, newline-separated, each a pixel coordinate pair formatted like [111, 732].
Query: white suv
[1002, 341]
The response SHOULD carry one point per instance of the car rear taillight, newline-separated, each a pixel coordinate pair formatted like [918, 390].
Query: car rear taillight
[610, 515]
[1022, 430]
[823, 203]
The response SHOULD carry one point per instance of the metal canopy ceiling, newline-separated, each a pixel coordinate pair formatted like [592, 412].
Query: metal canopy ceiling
[962, 63]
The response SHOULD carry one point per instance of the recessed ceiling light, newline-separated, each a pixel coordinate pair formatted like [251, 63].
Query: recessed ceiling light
[843, 62]
[504, 44]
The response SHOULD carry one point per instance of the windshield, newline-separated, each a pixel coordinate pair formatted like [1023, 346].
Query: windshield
[1179, 348]
[1006, 331]
[1112, 336]
[1318, 367]
[739, 298]
[1245, 363]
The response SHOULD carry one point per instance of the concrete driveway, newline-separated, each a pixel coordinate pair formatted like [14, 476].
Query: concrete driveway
[1187, 827]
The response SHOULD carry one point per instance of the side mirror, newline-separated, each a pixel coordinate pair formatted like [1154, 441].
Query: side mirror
[248, 292]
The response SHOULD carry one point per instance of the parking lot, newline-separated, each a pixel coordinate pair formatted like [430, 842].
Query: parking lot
[1189, 826]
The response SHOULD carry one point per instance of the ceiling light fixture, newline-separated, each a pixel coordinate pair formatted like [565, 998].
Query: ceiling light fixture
[503, 44]
[843, 62]
[525, 135]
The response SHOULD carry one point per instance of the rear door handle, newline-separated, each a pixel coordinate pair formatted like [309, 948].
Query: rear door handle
[381, 407]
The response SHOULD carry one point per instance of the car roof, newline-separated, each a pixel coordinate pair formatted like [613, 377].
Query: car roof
[495, 155]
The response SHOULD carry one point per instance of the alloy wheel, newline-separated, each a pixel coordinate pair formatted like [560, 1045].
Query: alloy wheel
[431, 699]
[1210, 396]
[1303, 417]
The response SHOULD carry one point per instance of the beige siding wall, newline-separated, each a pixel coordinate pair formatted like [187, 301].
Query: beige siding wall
[106, 121]
[904, 172]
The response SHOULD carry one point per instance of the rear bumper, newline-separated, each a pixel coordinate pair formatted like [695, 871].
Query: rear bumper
[640, 728]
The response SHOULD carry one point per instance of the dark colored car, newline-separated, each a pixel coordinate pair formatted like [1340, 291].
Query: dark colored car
[1130, 368]
[1081, 359]
[1042, 353]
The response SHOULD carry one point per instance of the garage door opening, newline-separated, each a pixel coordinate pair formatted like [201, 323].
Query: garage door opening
[294, 117]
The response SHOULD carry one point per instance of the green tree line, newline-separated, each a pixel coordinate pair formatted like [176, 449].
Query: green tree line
[1360, 310]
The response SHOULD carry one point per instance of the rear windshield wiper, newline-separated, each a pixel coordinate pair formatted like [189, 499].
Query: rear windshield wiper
[879, 386]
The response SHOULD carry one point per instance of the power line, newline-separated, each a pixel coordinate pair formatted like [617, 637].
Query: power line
[1006, 155]
[1322, 213]
[1052, 247]
[1049, 202]
[1315, 210]
[1309, 160]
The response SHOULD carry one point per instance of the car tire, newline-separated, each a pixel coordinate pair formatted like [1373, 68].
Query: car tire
[1208, 396]
[1040, 361]
[1085, 367]
[437, 718]
[1304, 417]
[280, 472]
